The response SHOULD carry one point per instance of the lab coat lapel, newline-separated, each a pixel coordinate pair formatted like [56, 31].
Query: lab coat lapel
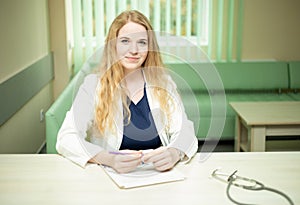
[157, 113]
[119, 123]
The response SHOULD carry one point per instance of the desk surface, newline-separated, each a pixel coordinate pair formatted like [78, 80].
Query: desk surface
[52, 179]
[268, 113]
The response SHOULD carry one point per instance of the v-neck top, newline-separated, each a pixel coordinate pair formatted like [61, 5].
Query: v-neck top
[140, 133]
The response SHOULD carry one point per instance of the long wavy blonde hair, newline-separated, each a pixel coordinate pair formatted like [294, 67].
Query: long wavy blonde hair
[112, 73]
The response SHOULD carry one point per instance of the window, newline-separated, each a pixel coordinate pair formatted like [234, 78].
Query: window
[92, 18]
[201, 22]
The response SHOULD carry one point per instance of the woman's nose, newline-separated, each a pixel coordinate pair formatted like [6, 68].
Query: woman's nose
[133, 48]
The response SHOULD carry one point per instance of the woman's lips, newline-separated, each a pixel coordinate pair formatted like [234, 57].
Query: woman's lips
[132, 59]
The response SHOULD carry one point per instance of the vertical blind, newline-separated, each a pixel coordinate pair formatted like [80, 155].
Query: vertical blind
[212, 25]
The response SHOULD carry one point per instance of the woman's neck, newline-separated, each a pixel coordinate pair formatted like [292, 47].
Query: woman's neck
[133, 75]
[135, 84]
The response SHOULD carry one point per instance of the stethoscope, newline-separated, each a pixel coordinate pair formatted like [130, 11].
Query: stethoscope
[245, 183]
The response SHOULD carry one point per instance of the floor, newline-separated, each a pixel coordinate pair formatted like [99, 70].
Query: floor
[43, 150]
[216, 146]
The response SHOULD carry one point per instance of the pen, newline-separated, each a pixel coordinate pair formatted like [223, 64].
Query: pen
[129, 153]
[120, 153]
[142, 152]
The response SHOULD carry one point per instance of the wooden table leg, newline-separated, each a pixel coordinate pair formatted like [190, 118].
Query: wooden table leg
[237, 140]
[257, 139]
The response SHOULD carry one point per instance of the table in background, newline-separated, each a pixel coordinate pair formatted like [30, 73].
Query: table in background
[52, 179]
[256, 120]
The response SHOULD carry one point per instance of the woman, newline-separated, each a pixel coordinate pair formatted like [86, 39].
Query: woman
[131, 112]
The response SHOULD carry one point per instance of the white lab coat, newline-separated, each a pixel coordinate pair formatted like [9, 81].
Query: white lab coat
[78, 141]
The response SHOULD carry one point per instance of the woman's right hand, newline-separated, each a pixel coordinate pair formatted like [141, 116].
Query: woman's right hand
[123, 161]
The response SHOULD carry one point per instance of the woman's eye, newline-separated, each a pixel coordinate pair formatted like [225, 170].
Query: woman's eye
[143, 43]
[124, 41]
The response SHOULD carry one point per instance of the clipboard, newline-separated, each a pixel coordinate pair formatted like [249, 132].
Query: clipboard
[144, 175]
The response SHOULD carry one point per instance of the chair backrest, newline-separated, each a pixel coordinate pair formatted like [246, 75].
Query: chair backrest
[294, 69]
[55, 115]
[234, 76]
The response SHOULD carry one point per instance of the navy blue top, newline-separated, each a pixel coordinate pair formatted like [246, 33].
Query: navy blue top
[140, 133]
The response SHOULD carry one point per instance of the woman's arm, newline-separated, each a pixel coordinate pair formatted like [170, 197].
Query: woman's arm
[71, 139]
[181, 132]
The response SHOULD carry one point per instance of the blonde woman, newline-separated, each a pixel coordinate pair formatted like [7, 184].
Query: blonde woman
[130, 113]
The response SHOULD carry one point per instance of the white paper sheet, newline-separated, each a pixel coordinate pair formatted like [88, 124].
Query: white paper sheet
[144, 175]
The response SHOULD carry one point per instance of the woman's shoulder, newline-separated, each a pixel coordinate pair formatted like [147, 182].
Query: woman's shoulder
[93, 77]
[90, 82]
[170, 82]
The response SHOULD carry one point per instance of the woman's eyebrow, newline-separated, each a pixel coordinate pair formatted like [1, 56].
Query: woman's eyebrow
[143, 39]
[124, 37]
[128, 38]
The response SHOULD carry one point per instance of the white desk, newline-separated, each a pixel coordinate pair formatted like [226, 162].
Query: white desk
[52, 179]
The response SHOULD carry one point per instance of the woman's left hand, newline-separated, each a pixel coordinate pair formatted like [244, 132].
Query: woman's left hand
[163, 158]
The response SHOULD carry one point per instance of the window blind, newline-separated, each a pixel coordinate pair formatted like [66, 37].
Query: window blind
[213, 25]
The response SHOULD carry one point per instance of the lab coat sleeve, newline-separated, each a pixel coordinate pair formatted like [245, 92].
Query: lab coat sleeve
[71, 139]
[182, 133]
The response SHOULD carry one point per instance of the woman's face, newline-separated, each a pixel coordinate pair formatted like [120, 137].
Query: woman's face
[132, 46]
